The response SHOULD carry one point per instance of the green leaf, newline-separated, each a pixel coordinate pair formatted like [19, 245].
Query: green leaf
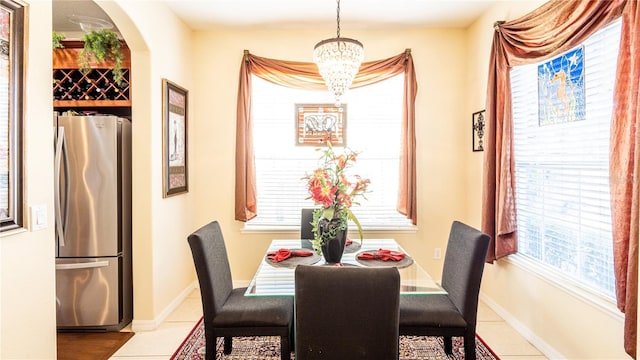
[56, 40]
[353, 218]
[99, 46]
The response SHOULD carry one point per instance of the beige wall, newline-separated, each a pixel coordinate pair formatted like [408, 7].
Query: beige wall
[451, 66]
[163, 269]
[451, 69]
[552, 317]
[27, 276]
[441, 123]
[161, 47]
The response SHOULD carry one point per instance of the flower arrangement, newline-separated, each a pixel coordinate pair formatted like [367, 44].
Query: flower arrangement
[331, 188]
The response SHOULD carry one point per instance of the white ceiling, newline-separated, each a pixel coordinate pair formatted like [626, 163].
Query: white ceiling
[202, 14]
[291, 14]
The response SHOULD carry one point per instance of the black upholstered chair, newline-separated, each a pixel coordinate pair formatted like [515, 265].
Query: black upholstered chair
[306, 230]
[346, 312]
[455, 313]
[227, 312]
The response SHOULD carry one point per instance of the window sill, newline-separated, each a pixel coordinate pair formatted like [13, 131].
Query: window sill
[567, 285]
[12, 232]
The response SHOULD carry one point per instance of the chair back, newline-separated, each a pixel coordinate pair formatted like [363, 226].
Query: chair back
[463, 266]
[346, 312]
[212, 267]
[306, 230]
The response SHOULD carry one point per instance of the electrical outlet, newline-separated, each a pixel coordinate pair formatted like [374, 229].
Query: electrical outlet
[437, 253]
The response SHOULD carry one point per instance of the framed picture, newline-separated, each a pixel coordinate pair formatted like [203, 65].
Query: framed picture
[174, 138]
[316, 124]
[561, 91]
[477, 130]
[12, 44]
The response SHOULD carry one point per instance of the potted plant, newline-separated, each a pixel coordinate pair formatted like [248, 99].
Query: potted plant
[335, 192]
[99, 46]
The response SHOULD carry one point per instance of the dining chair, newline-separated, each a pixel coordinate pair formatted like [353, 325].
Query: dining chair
[455, 313]
[227, 312]
[346, 312]
[306, 230]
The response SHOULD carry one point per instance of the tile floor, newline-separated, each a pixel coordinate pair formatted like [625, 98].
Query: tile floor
[161, 343]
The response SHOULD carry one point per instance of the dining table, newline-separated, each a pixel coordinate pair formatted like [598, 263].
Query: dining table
[276, 277]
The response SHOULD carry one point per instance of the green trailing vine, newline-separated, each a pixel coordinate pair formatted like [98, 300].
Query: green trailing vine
[56, 40]
[333, 226]
[99, 46]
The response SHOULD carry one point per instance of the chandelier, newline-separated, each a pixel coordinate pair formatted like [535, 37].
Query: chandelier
[338, 61]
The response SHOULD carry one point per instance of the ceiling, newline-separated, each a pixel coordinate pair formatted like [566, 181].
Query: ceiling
[291, 14]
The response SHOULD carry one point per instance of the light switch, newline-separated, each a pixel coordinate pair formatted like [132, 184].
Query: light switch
[38, 217]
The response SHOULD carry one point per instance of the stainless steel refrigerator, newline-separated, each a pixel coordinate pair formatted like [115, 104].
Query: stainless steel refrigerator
[93, 222]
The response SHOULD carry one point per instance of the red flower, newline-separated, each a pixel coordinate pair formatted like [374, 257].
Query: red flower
[342, 162]
[330, 187]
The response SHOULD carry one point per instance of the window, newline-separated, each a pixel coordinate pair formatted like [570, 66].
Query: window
[562, 172]
[12, 44]
[372, 128]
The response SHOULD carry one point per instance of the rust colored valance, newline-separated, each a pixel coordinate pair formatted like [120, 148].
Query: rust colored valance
[303, 75]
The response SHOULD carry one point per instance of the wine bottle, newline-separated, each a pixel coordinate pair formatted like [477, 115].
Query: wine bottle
[115, 93]
[56, 89]
[99, 93]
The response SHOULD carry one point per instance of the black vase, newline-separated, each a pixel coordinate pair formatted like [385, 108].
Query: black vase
[333, 245]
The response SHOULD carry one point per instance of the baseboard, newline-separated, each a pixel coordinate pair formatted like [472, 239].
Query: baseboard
[150, 325]
[526, 333]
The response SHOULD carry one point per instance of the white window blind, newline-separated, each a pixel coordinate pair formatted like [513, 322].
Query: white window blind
[562, 173]
[372, 129]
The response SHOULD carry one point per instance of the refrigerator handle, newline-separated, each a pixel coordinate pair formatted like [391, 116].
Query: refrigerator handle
[60, 152]
[86, 265]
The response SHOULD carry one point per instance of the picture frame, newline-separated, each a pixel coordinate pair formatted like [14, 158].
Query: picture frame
[477, 130]
[316, 124]
[175, 105]
[561, 89]
[12, 45]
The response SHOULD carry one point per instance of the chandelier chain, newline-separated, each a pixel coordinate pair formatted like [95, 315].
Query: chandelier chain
[338, 19]
[338, 60]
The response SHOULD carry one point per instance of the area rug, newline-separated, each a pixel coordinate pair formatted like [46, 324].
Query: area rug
[268, 348]
[90, 345]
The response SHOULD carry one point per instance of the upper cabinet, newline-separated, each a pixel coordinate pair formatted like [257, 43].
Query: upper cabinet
[74, 88]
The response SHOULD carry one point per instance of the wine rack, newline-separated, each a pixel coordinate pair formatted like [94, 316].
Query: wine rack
[94, 88]
[71, 85]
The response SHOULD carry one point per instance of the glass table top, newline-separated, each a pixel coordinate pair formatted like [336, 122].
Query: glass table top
[277, 279]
